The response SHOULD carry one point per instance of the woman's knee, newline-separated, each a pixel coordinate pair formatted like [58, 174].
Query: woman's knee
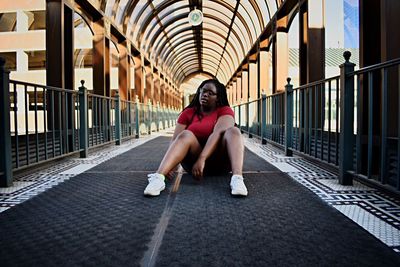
[232, 132]
[186, 136]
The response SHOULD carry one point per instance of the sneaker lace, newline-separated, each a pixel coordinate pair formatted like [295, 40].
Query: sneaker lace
[152, 177]
[237, 181]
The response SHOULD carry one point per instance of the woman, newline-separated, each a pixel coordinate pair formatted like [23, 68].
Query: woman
[205, 141]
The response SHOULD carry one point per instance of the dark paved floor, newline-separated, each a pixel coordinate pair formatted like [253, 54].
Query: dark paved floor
[101, 218]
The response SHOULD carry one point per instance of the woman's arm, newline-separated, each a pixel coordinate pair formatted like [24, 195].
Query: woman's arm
[224, 122]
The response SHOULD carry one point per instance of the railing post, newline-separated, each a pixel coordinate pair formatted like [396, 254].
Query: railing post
[117, 119]
[150, 114]
[6, 175]
[158, 116]
[137, 122]
[247, 120]
[288, 118]
[83, 120]
[346, 120]
[169, 117]
[263, 118]
[240, 116]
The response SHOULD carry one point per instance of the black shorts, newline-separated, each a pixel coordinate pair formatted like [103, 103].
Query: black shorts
[217, 164]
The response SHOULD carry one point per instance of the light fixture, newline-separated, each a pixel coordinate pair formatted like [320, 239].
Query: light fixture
[195, 17]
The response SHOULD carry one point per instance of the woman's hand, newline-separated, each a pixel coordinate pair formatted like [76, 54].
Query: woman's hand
[198, 168]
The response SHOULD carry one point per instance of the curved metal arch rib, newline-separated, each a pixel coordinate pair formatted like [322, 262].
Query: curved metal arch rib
[185, 51]
[154, 33]
[188, 39]
[187, 59]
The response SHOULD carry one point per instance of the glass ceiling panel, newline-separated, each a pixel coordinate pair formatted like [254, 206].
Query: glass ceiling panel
[169, 10]
[213, 46]
[156, 3]
[213, 57]
[217, 14]
[166, 46]
[177, 54]
[152, 25]
[240, 30]
[215, 26]
[224, 67]
[188, 43]
[191, 60]
[142, 17]
[120, 11]
[173, 15]
[258, 25]
[232, 3]
[272, 6]
[176, 26]
[249, 22]
[109, 7]
[217, 55]
[207, 5]
[265, 11]
[186, 66]
[221, 41]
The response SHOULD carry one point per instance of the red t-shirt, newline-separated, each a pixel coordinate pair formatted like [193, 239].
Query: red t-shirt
[203, 128]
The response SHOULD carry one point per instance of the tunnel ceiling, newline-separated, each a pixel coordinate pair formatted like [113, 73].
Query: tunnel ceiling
[161, 31]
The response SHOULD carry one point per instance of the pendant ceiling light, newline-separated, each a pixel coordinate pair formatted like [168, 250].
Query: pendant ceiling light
[195, 17]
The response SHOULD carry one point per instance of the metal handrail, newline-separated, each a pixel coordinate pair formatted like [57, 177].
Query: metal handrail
[386, 64]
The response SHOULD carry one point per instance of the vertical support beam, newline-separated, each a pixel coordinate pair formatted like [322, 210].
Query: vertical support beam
[245, 85]
[288, 118]
[239, 89]
[315, 41]
[390, 43]
[253, 80]
[59, 63]
[83, 120]
[55, 47]
[6, 175]
[346, 121]
[303, 39]
[264, 72]
[124, 79]
[370, 54]
[162, 93]
[282, 60]
[149, 96]
[157, 91]
[139, 88]
[146, 85]
[232, 88]
[101, 59]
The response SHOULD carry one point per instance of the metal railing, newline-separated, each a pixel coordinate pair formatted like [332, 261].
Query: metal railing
[41, 123]
[351, 122]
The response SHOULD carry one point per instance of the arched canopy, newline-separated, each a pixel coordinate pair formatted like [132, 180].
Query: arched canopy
[161, 31]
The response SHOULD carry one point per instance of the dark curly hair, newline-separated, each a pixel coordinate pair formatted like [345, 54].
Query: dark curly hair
[221, 96]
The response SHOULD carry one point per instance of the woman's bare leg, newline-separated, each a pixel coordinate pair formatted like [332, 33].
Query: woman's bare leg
[184, 143]
[233, 141]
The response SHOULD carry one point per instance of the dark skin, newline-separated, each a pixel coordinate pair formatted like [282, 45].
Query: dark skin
[184, 141]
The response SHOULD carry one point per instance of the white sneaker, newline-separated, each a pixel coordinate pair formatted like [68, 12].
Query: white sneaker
[156, 184]
[237, 185]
